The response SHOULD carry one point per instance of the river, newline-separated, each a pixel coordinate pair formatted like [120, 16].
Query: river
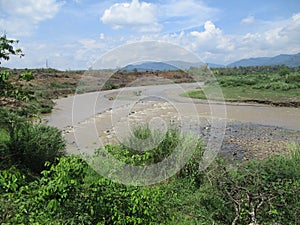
[105, 114]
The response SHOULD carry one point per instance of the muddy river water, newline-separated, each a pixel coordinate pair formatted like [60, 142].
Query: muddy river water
[110, 115]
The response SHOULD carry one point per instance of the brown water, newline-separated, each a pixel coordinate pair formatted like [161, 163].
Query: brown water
[109, 114]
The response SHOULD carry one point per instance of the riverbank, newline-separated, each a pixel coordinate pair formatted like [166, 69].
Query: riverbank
[277, 98]
[259, 85]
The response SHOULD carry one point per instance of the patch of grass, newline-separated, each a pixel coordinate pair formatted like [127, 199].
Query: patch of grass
[241, 94]
[258, 84]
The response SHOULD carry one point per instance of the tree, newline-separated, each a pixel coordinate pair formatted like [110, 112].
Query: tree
[7, 48]
[6, 87]
[284, 71]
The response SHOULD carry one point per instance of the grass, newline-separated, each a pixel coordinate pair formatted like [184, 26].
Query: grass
[271, 85]
[240, 94]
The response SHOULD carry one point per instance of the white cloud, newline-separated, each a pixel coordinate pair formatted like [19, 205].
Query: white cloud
[211, 31]
[214, 45]
[102, 36]
[211, 42]
[141, 17]
[23, 16]
[291, 31]
[212, 38]
[281, 37]
[248, 20]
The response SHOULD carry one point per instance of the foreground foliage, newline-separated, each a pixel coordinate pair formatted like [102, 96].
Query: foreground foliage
[69, 191]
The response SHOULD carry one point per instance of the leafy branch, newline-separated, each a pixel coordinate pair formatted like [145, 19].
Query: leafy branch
[7, 49]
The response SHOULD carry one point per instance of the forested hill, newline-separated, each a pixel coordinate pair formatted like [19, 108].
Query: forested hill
[283, 59]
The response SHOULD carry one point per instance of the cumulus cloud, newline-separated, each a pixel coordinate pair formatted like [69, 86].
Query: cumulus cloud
[141, 17]
[210, 32]
[280, 37]
[214, 45]
[248, 20]
[211, 38]
[23, 16]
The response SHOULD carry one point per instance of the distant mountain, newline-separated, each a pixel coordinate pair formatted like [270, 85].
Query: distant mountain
[161, 66]
[283, 59]
[213, 65]
[185, 65]
[149, 66]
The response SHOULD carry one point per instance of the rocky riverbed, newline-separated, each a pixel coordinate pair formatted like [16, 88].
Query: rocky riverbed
[246, 141]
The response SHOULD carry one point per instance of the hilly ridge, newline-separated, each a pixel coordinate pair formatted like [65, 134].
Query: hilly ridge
[282, 59]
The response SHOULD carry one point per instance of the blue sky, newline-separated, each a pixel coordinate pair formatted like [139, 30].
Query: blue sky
[72, 34]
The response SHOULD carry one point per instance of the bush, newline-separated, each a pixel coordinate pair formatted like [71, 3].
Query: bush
[70, 192]
[280, 85]
[293, 78]
[135, 151]
[234, 81]
[34, 144]
[263, 192]
[30, 145]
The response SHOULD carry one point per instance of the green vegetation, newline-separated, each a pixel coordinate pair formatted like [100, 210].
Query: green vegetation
[39, 185]
[32, 91]
[70, 192]
[272, 85]
[7, 49]
[27, 144]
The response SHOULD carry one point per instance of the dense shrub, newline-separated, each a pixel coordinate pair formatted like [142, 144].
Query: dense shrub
[29, 145]
[280, 85]
[131, 152]
[276, 78]
[72, 193]
[264, 192]
[293, 78]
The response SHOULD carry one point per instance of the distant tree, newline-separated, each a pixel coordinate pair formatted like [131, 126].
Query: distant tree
[7, 48]
[284, 71]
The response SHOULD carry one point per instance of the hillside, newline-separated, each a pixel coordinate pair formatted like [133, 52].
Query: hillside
[283, 59]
